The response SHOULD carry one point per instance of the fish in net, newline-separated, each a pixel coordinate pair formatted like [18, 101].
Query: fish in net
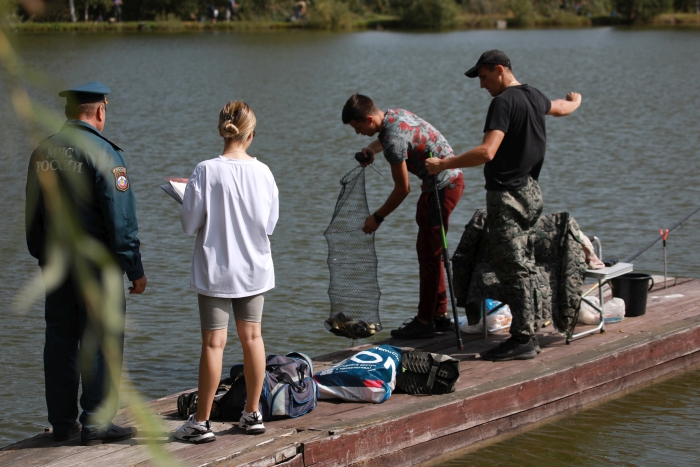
[352, 262]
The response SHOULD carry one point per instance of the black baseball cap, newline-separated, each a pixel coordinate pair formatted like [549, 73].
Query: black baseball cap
[491, 57]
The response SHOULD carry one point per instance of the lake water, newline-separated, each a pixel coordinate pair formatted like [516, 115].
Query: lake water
[625, 165]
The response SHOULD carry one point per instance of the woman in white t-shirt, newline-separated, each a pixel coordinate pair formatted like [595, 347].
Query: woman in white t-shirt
[231, 203]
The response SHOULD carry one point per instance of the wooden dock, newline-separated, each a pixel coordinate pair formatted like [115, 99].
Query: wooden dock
[493, 399]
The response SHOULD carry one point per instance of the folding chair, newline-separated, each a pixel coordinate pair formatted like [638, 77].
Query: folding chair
[602, 276]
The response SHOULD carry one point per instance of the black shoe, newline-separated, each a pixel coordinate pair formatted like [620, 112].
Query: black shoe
[443, 324]
[511, 349]
[536, 344]
[65, 435]
[113, 433]
[414, 329]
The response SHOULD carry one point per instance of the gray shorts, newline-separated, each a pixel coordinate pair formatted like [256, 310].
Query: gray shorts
[213, 311]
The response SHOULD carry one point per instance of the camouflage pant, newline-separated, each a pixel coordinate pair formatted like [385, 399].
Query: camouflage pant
[511, 215]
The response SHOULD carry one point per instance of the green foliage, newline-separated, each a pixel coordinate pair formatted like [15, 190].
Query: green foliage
[49, 10]
[427, 14]
[274, 10]
[642, 10]
[363, 7]
[598, 7]
[523, 13]
[146, 10]
[484, 7]
[564, 19]
[547, 8]
[686, 6]
[330, 14]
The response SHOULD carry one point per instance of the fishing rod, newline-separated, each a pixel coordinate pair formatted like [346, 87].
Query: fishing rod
[446, 261]
[661, 236]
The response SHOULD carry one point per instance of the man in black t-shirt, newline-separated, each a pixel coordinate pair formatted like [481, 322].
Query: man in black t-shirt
[512, 153]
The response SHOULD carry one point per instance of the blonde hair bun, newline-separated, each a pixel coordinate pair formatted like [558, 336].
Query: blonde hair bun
[230, 130]
[236, 121]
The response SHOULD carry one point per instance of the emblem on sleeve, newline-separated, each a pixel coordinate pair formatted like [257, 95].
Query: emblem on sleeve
[120, 178]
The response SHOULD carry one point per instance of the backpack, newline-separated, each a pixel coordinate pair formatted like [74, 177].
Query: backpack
[289, 390]
[187, 402]
[233, 402]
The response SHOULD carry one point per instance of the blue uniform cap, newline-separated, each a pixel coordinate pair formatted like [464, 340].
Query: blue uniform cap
[90, 92]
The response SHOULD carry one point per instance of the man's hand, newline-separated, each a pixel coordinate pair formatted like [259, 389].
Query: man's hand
[566, 106]
[434, 165]
[139, 285]
[573, 97]
[367, 157]
[371, 225]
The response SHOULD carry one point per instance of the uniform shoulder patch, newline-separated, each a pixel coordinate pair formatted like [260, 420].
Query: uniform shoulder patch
[120, 179]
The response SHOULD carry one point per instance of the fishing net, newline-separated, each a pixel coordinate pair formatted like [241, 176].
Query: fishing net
[352, 261]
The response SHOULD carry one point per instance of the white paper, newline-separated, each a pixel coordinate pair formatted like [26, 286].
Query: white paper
[179, 188]
[175, 188]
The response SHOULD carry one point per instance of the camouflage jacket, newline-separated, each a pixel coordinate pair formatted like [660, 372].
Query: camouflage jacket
[560, 264]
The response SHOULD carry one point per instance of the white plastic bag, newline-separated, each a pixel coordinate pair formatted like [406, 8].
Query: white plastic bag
[587, 314]
[613, 311]
[501, 319]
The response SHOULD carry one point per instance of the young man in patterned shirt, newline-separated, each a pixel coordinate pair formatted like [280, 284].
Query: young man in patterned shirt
[407, 141]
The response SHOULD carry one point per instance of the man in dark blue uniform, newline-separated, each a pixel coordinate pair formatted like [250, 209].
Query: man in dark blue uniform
[78, 198]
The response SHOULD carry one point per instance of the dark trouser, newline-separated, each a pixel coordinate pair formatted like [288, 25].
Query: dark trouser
[510, 217]
[433, 293]
[73, 352]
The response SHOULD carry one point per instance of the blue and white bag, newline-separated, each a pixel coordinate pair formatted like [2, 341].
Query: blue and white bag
[367, 376]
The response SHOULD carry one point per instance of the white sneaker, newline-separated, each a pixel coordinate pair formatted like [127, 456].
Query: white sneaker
[195, 432]
[252, 423]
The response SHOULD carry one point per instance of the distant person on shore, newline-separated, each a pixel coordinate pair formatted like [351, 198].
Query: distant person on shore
[407, 141]
[298, 10]
[212, 13]
[231, 203]
[232, 10]
[512, 153]
[90, 172]
[117, 10]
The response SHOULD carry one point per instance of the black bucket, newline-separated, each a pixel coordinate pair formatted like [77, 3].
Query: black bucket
[632, 288]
